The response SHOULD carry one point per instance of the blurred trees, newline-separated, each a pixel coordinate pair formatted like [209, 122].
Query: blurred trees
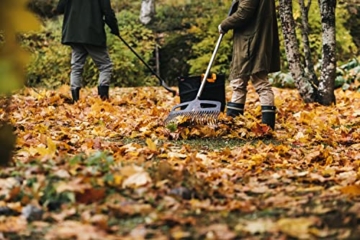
[186, 32]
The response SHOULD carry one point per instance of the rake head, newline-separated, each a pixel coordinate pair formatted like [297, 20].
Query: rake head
[197, 111]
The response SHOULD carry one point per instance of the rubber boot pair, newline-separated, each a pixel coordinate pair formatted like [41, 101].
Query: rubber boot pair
[268, 112]
[103, 92]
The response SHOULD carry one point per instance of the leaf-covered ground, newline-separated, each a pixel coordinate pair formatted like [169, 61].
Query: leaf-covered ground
[112, 170]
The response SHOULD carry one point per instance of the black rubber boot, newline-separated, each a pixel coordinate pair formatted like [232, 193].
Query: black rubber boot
[75, 93]
[234, 109]
[268, 115]
[103, 92]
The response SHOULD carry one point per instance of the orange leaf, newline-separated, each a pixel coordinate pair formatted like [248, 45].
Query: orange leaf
[352, 190]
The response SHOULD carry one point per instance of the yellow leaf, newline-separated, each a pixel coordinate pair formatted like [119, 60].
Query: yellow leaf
[151, 145]
[51, 146]
[75, 185]
[296, 227]
[118, 180]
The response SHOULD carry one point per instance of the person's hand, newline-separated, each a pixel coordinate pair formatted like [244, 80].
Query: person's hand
[115, 32]
[221, 31]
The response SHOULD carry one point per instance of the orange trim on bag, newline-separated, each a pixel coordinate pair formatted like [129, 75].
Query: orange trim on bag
[212, 79]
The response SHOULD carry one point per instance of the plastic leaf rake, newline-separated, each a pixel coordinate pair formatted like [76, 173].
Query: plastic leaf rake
[198, 111]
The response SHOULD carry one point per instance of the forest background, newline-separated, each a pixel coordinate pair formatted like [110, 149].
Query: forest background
[178, 42]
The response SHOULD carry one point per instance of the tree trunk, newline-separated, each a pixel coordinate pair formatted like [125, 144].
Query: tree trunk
[309, 65]
[147, 11]
[306, 90]
[326, 94]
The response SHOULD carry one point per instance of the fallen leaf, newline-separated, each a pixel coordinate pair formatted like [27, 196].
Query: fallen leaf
[352, 190]
[256, 226]
[90, 195]
[151, 145]
[77, 230]
[218, 231]
[297, 227]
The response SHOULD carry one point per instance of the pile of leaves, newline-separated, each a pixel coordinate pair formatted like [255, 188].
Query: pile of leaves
[112, 170]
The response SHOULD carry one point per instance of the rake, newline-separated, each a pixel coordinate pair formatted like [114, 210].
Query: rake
[199, 111]
[161, 81]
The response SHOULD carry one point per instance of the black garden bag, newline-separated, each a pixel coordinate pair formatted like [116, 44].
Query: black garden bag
[214, 89]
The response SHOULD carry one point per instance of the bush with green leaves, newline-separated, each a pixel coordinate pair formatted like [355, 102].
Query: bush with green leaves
[43, 8]
[348, 76]
[189, 38]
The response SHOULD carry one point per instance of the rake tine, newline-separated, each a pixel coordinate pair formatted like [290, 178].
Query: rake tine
[195, 112]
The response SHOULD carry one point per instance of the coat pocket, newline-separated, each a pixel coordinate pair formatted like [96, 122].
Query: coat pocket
[245, 49]
[249, 47]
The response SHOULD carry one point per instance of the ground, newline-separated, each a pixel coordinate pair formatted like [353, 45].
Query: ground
[112, 170]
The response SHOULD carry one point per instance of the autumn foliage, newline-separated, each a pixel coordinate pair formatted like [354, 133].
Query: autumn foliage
[105, 170]
[112, 170]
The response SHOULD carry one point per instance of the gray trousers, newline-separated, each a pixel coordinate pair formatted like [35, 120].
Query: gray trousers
[99, 55]
[261, 84]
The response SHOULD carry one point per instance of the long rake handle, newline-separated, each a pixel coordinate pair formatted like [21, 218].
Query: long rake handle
[162, 82]
[231, 10]
[209, 66]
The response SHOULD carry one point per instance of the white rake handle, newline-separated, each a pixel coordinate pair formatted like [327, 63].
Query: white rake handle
[209, 66]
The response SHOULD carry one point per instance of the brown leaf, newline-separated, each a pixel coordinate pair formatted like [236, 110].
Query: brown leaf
[77, 230]
[130, 208]
[90, 195]
[12, 224]
[218, 231]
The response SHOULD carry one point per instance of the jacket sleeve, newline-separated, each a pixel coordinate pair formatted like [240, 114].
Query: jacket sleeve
[110, 18]
[60, 9]
[244, 12]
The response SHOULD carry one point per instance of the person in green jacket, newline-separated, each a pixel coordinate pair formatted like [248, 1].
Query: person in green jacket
[83, 30]
[256, 53]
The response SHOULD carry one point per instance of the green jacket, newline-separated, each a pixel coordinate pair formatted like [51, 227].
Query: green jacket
[256, 38]
[84, 21]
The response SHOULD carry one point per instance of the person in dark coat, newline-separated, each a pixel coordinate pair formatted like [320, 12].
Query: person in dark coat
[83, 30]
[256, 53]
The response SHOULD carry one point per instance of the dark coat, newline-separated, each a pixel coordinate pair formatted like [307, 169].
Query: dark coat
[256, 38]
[84, 21]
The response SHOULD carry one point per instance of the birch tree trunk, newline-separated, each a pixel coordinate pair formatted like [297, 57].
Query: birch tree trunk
[147, 11]
[326, 94]
[306, 90]
[309, 65]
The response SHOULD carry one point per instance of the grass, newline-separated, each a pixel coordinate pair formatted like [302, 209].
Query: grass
[204, 143]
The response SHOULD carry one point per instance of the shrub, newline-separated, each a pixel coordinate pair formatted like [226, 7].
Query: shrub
[42, 8]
